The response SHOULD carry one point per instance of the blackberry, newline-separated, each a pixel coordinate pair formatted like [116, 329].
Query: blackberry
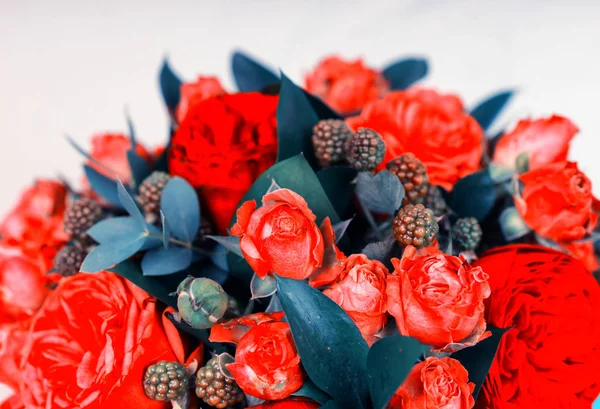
[467, 233]
[69, 259]
[166, 381]
[365, 149]
[413, 176]
[435, 201]
[150, 191]
[80, 215]
[329, 136]
[215, 387]
[415, 225]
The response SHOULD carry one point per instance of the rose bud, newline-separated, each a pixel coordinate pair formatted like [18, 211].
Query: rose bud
[435, 383]
[438, 299]
[360, 291]
[281, 236]
[201, 302]
[267, 365]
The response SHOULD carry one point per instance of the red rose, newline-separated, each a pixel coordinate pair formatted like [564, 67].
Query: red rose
[291, 403]
[36, 222]
[234, 329]
[12, 338]
[333, 259]
[550, 358]
[267, 365]
[435, 384]
[110, 149]
[546, 140]
[360, 291]
[346, 85]
[281, 236]
[433, 126]
[90, 343]
[194, 92]
[438, 299]
[222, 145]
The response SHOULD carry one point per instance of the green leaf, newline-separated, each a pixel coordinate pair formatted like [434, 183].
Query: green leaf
[170, 86]
[180, 205]
[512, 225]
[231, 243]
[389, 361]
[161, 261]
[402, 74]
[166, 230]
[311, 391]
[130, 205]
[337, 184]
[249, 74]
[295, 121]
[153, 286]
[478, 359]
[140, 169]
[474, 195]
[331, 348]
[88, 156]
[339, 229]
[379, 250]
[381, 193]
[114, 228]
[103, 186]
[487, 110]
[262, 287]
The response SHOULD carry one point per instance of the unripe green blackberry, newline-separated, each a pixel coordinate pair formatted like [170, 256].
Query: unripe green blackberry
[435, 201]
[467, 233]
[150, 191]
[201, 302]
[413, 176]
[81, 214]
[415, 225]
[329, 136]
[365, 149]
[215, 387]
[69, 259]
[166, 381]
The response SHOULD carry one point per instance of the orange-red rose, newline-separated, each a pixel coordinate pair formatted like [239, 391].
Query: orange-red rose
[291, 403]
[345, 85]
[434, 127]
[90, 343]
[222, 145]
[546, 140]
[435, 384]
[281, 236]
[551, 355]
[194, 92]
[267, 365]
[438, 299]
[360, 291]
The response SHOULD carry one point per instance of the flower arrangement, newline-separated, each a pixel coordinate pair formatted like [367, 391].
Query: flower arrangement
[359, 243]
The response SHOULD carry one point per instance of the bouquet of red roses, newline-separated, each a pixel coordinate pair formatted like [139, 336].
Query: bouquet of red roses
[359, 243]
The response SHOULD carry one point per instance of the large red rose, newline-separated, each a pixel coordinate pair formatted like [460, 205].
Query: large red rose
[194, 92]
[345, 85]
[267, 365]
[435, 384]
[281, 236]
[36, 222]
[90, 343]
[222, 145]
[438, 299]
[550, 358]
[432, 126]
[546, 140]
[12, 339]
[360, 291]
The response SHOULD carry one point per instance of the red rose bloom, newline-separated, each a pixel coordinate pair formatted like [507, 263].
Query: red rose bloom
[12, 338]
[90, 343]
[281, 236]
[267, 365]
[346, 85]
[546, 140]
[291, 403]
[434, 127]
[438, 299]
[194, 92]
[333, 259]
[234, 329]
[550, 358]
[110, 149]
[36, 222]
[435, 384]
[222, 146]
[360, 291]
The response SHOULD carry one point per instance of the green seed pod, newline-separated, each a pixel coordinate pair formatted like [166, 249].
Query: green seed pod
[201, 302]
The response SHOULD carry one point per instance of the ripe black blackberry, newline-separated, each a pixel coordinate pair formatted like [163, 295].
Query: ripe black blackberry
[467, 233]
[80, 215]
[216, 389]
[166, 381]
[68, 260]
[150, 191]
[329, 136]
[365, 149]
[413, 176]
[415, 225]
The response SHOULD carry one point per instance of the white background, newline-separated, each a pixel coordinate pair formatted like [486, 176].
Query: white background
[72, 66]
